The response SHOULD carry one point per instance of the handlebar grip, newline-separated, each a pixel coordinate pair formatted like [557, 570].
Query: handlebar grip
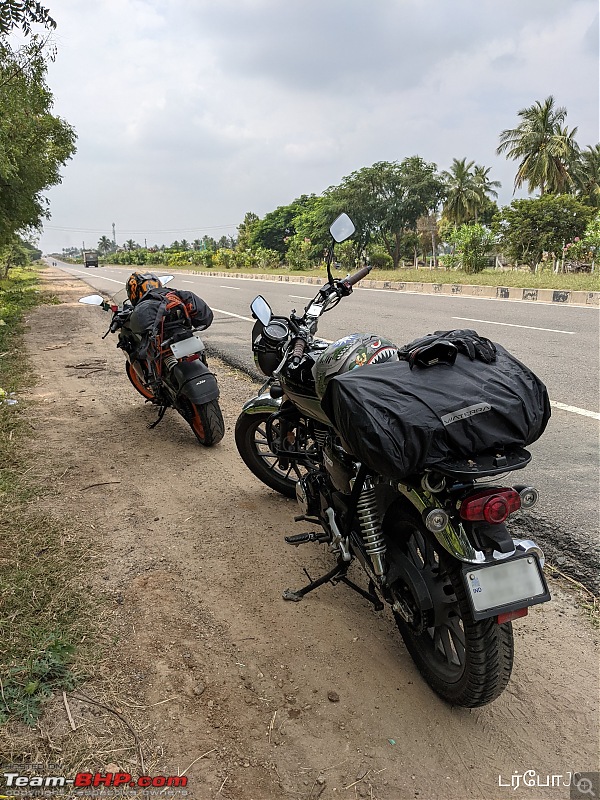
[358, 276]
[298, 351]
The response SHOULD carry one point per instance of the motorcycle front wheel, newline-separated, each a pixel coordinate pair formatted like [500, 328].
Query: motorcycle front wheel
[137, 382]
[253, 446]
[206, 421]
[467, 662]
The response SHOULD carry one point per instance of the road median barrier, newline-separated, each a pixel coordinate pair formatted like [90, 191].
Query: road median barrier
[558, 296]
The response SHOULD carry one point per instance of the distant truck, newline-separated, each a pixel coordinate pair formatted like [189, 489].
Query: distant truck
[90, 258]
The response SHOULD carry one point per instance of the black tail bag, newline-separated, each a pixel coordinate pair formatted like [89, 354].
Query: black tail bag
[400, 421]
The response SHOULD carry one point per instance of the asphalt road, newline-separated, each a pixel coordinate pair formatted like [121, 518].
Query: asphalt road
[560, 343]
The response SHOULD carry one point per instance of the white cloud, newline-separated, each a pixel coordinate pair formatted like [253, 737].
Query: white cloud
[192, 112]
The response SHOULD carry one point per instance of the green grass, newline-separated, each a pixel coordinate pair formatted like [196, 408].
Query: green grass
[41, 614]
[585, 282]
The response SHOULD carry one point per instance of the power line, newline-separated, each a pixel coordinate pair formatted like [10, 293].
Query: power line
[140, 230]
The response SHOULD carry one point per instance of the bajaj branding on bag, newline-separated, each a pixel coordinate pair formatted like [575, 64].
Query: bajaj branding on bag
[464, 413]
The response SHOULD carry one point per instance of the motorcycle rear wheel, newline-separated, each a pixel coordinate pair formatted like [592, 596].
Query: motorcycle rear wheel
[252, 445]
[467, 662]
[206, 421]
[137, 383]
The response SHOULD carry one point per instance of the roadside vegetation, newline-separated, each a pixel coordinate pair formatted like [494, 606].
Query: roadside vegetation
[409, 214]
[42, 615]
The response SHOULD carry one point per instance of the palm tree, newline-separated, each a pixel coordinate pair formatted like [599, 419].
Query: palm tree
[130, 245]
[104, 245]
[546, 152]
[485, 187]
[587, 176]
[462, 192]
[184, 244]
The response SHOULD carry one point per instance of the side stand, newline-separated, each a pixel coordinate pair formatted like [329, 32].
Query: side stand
[297, 594]
[336, 575]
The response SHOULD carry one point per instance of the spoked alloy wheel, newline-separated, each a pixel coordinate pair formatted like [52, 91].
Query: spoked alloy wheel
[137, 382]
[206, 420]
[468, 663]
[253, 446]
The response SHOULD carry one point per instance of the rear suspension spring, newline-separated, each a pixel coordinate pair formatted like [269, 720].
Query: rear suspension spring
[370, 527]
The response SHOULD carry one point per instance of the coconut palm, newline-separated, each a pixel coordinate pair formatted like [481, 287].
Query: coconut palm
[462, 192]
[485, 187]
[104, 245]
[546, 151]
[587, 175]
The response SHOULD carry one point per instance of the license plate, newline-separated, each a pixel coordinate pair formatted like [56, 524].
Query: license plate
[505, 586]
[187, 347]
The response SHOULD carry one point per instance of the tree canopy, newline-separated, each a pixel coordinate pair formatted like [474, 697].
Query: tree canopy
[529, 228]
[34, 143]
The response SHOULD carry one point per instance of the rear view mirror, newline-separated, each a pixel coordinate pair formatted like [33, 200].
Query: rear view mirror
[92, 300]
[164, 279]
[342, 228]
[261, 310]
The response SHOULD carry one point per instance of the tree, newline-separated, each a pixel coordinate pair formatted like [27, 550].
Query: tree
[105, 245]
[131, 245]
[462, 192]
[547, 153]
[472, 245]
[34, 143]
[529, 228]
[386, 200]
[486, 190]
[245, 230]
[184, 244]
[22, 14]
[587, 176]
[273, 231]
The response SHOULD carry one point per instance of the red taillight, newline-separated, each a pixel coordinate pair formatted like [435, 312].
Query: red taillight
[114, 308]
[193, 357]
[491, 505]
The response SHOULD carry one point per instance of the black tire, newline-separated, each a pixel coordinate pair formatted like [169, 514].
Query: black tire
[467, 663]
[137, 383]
[251, 441]
[206, 420]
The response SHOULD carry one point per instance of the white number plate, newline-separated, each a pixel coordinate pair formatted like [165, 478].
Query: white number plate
[187, 347]
[505, 584]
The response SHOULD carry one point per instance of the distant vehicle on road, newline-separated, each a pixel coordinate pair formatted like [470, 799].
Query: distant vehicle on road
[90, 258]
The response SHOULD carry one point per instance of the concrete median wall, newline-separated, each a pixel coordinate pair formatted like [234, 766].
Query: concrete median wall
[559, 296]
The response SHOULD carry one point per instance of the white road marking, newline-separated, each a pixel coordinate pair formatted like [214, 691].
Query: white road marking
[237, 288]
[231, 314]
[187, 281]
[299, 297]
[511, 325]
[574, 410]
[112, 280]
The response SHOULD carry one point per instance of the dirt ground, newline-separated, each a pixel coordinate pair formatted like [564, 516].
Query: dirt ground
[317, 699]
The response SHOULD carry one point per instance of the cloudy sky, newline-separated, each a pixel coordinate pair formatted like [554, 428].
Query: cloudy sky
[190, 113]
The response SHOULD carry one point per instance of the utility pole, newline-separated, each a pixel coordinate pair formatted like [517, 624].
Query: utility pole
[114, 237]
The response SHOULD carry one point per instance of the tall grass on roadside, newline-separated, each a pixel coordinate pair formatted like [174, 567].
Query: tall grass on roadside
[40, 610]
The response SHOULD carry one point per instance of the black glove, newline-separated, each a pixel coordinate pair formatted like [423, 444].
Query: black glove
[471, 344]
[466, 341]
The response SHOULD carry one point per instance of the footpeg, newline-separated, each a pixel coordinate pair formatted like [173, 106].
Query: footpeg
[303, 538]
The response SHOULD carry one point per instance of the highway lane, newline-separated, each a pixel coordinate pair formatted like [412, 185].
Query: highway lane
[560, 343]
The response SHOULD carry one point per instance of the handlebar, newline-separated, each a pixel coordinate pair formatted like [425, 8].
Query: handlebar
[358, 276]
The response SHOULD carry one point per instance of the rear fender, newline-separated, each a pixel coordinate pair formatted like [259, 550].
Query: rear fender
[194, 381]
